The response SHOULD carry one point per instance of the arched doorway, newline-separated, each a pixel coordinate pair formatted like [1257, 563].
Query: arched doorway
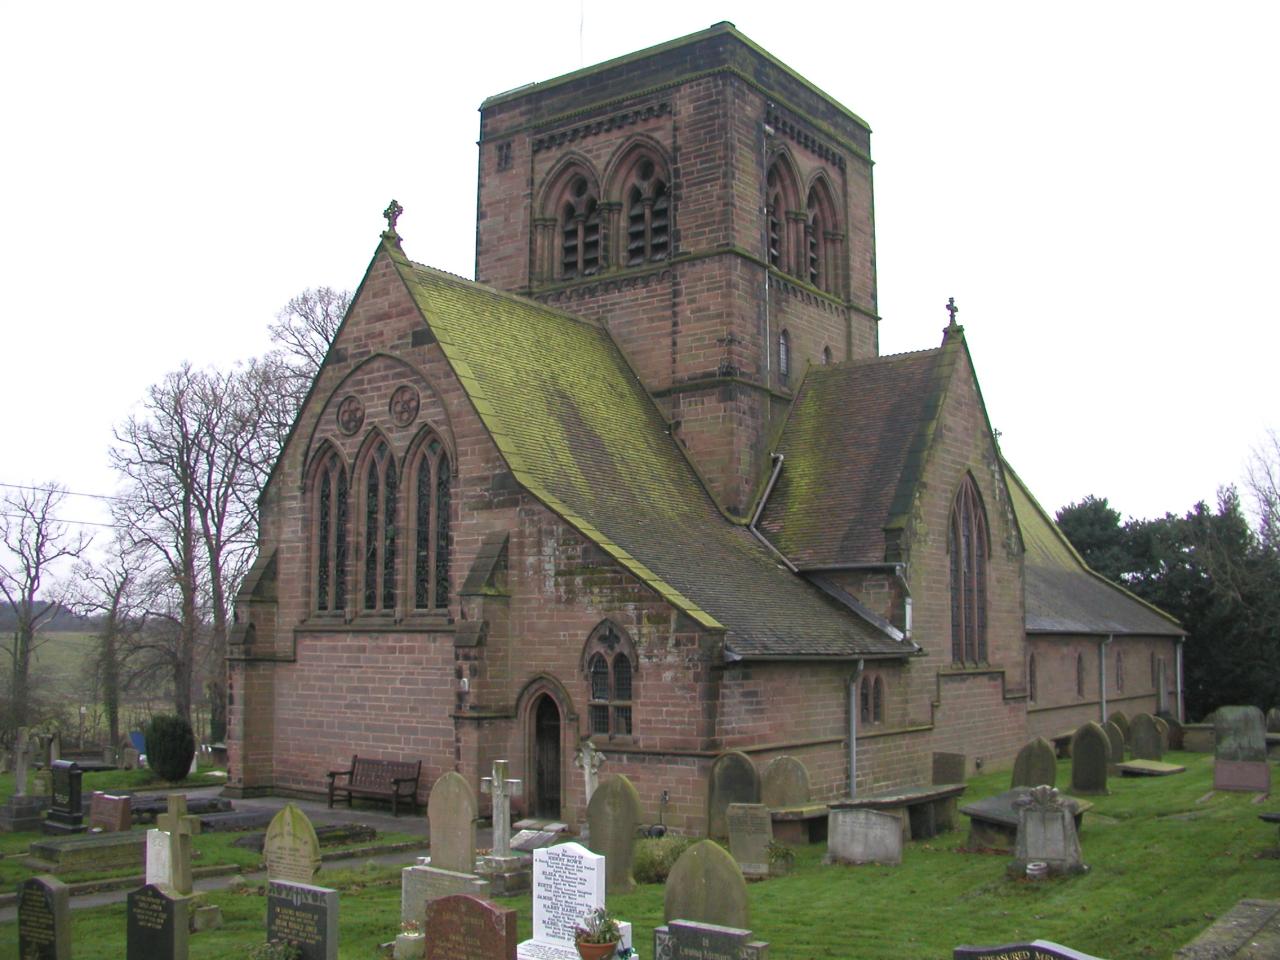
[546, 758]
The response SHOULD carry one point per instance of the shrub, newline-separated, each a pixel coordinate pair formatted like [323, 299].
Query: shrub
[170, 746]
[655, 856]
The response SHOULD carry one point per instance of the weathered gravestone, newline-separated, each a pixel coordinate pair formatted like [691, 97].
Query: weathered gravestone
[175, 819]
[1035, 764]
[750, 833]
[785, 783]
[66, 815]
[451, 816]
[733, 780]
[706, 886]
[109, 814]
[1033, 950]
[860, 835]
[1090, 751]
[1240, 750]
[1119, 718]
[948, 768]
[1273, 720]
[1163, 726]
[613, 814]
[687, 940]
[304, 915]
[993, 821]
[1047, 832]
[462, 927]
[1175, 729]
[291, 848]
[568, 883]
[1116, 739]
[1145, 741]
[44, 919]
[158, 924]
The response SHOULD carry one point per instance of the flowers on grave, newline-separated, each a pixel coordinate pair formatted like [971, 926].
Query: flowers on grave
[411, 927]
[597, 936]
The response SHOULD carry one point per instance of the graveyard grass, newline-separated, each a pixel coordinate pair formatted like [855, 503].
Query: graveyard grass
[1163, 865]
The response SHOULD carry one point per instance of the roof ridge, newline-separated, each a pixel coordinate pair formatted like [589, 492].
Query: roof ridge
[508, 295]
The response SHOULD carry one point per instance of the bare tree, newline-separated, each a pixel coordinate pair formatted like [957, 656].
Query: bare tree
[306, 325]
[35, 541]
[1263, 477]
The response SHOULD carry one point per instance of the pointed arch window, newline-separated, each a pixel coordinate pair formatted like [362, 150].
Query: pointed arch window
[432, 502]
[967, 544]
[779, 201]
[826, 356]
[331, 535]
[864, 701]
[610, 669]
[784, 356]
[380, 500]
[579, 230]
[648, 215]
[877, 700]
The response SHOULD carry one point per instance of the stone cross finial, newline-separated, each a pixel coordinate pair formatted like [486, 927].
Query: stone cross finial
[952, 309]
[392, 214]
[502, 790]
[589, 760]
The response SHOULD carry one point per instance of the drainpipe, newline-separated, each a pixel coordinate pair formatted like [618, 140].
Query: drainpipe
[853, 728]
[1102, 674]
[755, 517]
[898, 569]
[1178, 673]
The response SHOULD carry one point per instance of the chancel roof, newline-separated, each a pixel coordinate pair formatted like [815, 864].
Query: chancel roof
[579, 432]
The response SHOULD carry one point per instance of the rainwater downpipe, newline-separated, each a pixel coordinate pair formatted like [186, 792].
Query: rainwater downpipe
[854, 707]
[1102, 675]
[1178, 671]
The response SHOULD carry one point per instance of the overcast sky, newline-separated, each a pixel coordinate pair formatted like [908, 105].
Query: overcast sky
[1095, 184]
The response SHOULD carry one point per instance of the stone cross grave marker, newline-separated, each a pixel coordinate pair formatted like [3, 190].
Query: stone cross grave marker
[568, 883]
[750, 833]
[733, 780]
[706, 886]
[1145, 740]
[157, 924]
[613, 814]
[291, 847]
[502, 791]
[1047, 832]
[1240, 750]
[305, 915]
[860, 835]
[689, 940]
[109, 814]
[462, 927]
[44, 919]
[589, 760]
[1035, 764]
[175, 818]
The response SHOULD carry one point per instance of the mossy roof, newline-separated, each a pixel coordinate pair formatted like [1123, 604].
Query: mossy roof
[580, 433]
[1062, 594]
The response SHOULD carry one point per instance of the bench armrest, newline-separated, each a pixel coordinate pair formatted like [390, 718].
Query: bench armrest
[340, 773]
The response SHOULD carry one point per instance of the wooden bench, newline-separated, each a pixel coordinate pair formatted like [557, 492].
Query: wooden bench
[393, 780]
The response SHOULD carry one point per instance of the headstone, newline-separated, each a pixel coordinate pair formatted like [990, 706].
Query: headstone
[1047, 832]
[948, 768]
[861, 835]
[109, 814]
[451, 812]
[1090, 751]
[1034, 950]
[1163, 726]
[157, 924]
[129, 758]
[687, 940]
[733, 780]
[1240, 750]
[568, 883]
[1175, 730]
[42, 784]
[589, 760]
[1145, 742]
[750, 833]
[305, 915]
[21, 812]
[1273, 720]
[706, 886]
[44, 919]
[1116, 738]
[159, 858]
[502, 790]
[1119, 718]
[613, 814]
[461, 927]
[785, 783]
[291, 848]
[66, 815]
[55, 748]
[1036, 763]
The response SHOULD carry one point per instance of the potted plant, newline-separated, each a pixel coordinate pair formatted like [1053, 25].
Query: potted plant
[597, 936]
[411, 943]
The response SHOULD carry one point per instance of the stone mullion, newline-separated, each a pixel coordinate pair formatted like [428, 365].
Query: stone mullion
[544, 249]
[796, 254]
[610, 224]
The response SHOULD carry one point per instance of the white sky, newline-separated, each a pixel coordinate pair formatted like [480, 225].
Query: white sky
[1095, 184]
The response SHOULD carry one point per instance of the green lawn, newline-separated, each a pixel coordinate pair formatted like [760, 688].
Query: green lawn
[1163, 865]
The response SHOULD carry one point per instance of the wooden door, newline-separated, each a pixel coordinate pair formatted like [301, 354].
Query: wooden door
[546, 758]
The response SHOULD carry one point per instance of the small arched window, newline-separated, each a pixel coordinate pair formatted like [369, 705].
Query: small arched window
[775, 213]
[380, 500]
[864, 701]
[648, 215]
[967, 544]
[877, 701]
[1031, 678]
[1119, 671]
[331, 535]
[1079, 674]
[579, 230]
[820, 232]
[431, 534]
[826, 356]
[784, 357]
[610, 667]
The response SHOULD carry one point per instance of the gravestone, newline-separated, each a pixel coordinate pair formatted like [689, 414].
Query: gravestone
[1116, 739]
[1033, 950]
[1047, 832]
[462, 927]
[109, 814]
[861, 835]
[526, 841]
[1197, 737]
[1035, 764]
[993, 821]
[157, 927]
[785, 783]
[1240, 750]
[1090, 751]
[1163, 727]
[613, 814]
[1145, 741]
[948, 768]
[706, 886]
[291, 848]
[750, 833]
[506, 872]
[44, 919]
[66, 815]
[1119, 718]
[451, 816]
[1175, 730]
[305, 915]
[568, 883]
[589, 760]
[733, 780]
[688, 940]
[1273, 720]
[129, 758]
[21, 812]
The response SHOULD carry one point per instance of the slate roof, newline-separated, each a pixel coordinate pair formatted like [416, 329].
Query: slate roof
[855, 444]
[1062, 594]
[580, 433]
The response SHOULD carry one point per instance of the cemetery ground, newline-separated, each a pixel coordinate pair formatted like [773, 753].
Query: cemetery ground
[1165, 859]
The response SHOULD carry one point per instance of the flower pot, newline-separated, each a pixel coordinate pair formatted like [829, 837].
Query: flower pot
[410, 946]
[596, 951]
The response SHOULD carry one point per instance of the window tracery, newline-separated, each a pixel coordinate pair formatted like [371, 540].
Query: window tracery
[610, 668]
[648, 215]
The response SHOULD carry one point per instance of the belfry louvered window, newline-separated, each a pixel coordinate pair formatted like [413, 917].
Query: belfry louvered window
[967, 544]
[579, 231]
[648, 216]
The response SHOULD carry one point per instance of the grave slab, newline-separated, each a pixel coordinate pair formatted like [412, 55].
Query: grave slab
[102, 851]
[1149, 768]
[423, 883]
[1248, 931]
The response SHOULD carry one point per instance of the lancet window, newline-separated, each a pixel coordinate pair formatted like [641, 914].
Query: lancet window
[579, 230]
[967, 544]
[331, 534]
[381, 488]
[648, 205]
[431, 521]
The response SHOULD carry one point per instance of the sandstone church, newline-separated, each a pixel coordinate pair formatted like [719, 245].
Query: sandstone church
[648, 484]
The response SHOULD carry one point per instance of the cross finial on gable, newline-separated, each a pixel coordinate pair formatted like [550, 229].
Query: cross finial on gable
[952, 309]
[952, 329]
[392, 214]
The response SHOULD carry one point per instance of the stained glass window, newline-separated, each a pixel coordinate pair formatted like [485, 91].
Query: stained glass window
[967, 542]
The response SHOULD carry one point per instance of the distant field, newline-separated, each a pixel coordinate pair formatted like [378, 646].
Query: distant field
[59, 658]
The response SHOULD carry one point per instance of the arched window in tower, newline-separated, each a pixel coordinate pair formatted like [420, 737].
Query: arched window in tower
[782, 213]
[579, 230]
[784, 357]
[610, 665]
[380, 494]
[967, 544]
[820, 229]
[826, 356]
[776, 213]
[331, 534]
[431, 521]
[648, 215]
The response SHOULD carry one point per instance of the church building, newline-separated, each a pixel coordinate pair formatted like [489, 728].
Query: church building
[648, 484]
